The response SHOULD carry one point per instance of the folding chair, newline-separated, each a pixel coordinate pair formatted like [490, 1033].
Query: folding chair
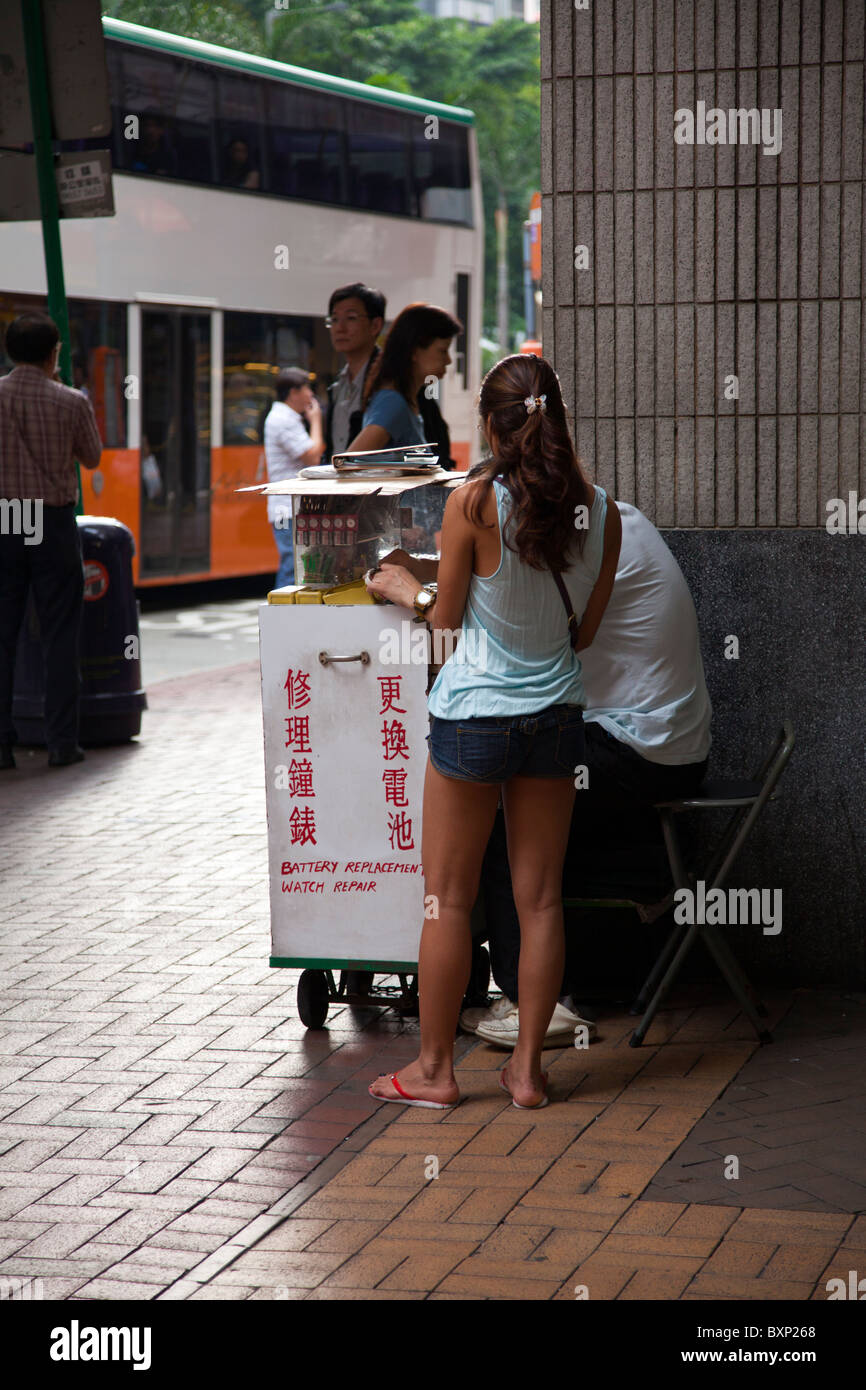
[746, 799]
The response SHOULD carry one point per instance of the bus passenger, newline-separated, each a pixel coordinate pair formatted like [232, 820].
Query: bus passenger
[416, 354]
[356, 316]
[238, 171]
[528, 589]
[154, 154]
[288, 449]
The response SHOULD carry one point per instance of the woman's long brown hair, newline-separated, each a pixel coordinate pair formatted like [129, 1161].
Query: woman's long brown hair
[416, 326]
[535, 459]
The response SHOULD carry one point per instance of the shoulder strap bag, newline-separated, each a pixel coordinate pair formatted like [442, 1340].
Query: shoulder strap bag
[572, 619]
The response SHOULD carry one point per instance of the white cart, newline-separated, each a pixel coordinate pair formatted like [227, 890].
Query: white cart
[344, 761]
[345, 725]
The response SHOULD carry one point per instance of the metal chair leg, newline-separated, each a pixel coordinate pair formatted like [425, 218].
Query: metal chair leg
[652, 979]
[745, 995]
[671, 973]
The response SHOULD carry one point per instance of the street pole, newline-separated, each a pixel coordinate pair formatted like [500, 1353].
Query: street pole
[40, 107]
[500, 218]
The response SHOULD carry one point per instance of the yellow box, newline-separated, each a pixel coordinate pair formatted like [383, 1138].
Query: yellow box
[356, 592]
[286, 594]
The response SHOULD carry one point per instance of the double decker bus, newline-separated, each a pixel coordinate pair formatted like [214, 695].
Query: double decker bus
[245, 190]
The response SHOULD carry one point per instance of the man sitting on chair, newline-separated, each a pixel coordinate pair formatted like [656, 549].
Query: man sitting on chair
[647, 740]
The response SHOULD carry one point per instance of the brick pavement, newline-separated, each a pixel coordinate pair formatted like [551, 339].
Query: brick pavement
[552, 1205]
[168, 1129]
[795, 1117]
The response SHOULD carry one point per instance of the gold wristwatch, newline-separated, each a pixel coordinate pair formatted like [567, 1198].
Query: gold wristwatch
[425, 599]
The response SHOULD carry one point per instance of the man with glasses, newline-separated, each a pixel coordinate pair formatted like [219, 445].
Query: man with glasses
[356, 315]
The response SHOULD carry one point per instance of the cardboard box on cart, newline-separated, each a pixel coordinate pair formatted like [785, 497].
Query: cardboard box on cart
[344, 739]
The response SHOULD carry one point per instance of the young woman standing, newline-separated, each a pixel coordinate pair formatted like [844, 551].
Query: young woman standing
[506, 710]
[415, 353]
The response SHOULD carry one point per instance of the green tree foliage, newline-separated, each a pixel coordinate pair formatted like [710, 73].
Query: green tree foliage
[231, 25]
[354, 41]
[493, 69]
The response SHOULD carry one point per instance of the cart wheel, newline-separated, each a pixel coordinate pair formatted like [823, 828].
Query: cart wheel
[359, 981]
[479, 976]
[313, 998]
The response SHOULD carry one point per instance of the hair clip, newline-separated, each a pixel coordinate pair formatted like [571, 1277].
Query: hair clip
[532, 401]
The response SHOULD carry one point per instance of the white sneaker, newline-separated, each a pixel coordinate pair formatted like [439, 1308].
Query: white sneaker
[503, 1031]
[569, 1019]
[471, 1018]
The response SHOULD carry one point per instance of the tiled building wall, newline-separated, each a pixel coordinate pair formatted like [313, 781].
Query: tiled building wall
[708, 260]
[705, 261]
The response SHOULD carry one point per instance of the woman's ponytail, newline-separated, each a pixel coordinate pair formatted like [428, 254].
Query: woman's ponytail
[521, 405]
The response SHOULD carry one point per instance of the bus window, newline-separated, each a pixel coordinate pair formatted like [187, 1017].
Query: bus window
[194, 122]
[378, 152]
[174, 103]
[306, 144]
[97, 333]
[148, 94]
[255, 347]
[240, 105]
[97, 339]
[440, 169]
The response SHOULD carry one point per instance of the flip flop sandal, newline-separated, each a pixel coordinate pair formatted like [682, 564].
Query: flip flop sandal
[405, 1099]
[539, 1104]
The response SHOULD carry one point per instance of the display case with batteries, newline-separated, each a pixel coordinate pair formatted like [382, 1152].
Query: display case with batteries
[345, 523]
[337, 539]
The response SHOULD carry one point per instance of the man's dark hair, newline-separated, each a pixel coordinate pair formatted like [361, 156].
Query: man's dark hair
[31, 338]
[373, 300]
[289, 379]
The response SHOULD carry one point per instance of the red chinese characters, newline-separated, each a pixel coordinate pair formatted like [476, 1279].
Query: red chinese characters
[297, 688]
[395, 749]
[302, 819]
[395, 786]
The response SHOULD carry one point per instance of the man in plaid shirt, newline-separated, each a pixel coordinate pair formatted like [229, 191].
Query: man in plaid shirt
[44, 427]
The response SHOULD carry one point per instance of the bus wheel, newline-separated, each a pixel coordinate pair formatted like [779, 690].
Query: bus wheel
[313, 998]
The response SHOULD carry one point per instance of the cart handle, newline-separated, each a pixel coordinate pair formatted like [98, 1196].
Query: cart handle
[363, 657]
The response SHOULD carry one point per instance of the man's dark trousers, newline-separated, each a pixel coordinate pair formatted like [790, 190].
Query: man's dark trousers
[613, 811]
[54, 571]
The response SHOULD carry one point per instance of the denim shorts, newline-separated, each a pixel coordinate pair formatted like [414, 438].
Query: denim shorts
[492, 748]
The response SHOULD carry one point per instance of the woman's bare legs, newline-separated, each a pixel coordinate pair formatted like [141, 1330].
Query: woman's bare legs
[457, 821]
[537, 822]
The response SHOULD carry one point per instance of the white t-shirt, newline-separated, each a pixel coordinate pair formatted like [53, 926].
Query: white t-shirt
[643, 674]
[286, 442]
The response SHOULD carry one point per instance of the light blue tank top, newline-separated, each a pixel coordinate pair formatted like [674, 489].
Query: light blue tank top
[513, 655]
